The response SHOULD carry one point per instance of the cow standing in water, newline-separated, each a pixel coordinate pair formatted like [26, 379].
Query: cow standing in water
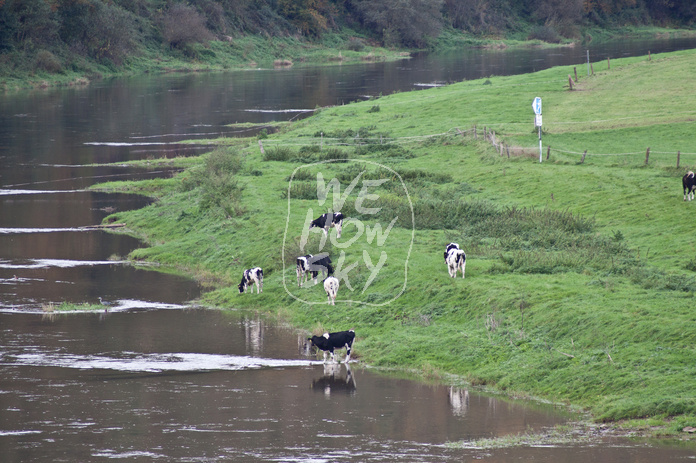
[330, 341]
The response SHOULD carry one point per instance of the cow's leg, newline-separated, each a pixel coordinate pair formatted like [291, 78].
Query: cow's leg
[338, 230]
[347, 353]
[463, 268]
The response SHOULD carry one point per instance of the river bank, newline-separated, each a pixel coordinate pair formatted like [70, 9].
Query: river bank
[570, 294]
[255, 52]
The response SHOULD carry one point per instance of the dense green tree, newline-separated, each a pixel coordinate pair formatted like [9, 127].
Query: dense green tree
[410, 23]
[311, 17]
[32, 23]
[479, 16]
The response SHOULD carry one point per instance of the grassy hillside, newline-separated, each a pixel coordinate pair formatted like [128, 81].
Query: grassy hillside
[580, 275]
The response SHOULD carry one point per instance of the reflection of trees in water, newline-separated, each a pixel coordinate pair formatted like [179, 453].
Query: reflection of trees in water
[459, 400]
[335, 380]
[253, 334]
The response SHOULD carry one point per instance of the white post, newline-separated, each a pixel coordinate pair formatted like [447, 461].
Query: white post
[539, 143]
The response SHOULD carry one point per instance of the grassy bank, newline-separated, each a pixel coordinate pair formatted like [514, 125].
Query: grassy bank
[20, 70]
[580, 275]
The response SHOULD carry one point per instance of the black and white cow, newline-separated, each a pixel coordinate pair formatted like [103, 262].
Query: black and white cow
[252, 276]
[303, 269]
[321, 263]
[330, 341]
[689, 184]
[312, 265]
[330, 220]
[455, 259]
[449, 247]
[331, 288]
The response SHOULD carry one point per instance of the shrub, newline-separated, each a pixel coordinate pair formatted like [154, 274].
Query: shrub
[182, 25]
[545, 33]
[217, 183]
[47, 61]
[355, 44]
[279, 153]
[300, 190]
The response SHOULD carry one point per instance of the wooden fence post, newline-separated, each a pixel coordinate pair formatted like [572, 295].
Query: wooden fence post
[647, 155]
[649, 57]
[548, 152]
[261, 147]
[592, 68]
[678, 156]
[508, 150]
[583, 157]
[575, 70]
[608, 63]
[570, 82]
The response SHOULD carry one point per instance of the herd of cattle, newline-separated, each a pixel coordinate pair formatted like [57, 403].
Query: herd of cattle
[309, 266]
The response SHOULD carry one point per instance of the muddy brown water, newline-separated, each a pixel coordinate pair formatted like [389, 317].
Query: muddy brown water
[154, 379]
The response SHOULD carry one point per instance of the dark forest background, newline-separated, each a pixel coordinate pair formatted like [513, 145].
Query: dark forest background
[110, 31]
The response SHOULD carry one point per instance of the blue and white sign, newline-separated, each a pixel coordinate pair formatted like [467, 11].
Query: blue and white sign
[536, 105]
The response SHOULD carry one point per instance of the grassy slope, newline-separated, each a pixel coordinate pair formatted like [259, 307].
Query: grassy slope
[612, 334]
[245, 52]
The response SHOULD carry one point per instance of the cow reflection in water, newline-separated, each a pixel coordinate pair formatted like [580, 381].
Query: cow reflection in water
[254, 330]
[459, 400]
[334, 381]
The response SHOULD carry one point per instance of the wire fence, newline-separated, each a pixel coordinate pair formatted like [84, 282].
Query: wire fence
[503, 148]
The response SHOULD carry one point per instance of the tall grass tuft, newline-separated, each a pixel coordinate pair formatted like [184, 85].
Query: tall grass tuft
[217, 184]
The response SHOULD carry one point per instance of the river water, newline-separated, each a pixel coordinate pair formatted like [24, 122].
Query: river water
[154, 378]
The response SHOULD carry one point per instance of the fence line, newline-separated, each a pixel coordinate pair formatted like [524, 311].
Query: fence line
[489, 135]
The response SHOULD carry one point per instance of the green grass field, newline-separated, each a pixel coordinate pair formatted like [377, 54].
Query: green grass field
[580, 276]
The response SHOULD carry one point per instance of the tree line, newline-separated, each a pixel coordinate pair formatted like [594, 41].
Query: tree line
[111, 30]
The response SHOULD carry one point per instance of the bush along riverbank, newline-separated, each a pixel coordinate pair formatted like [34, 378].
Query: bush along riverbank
[580, 274]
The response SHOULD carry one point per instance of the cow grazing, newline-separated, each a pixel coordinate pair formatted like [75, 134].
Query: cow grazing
[689, 185]
[331, 288]
[321, 263]
[455, 259]
[252, 276]
[310, 265]
[330, 341]
[303, 269]
[330, 220]
[449, 247]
